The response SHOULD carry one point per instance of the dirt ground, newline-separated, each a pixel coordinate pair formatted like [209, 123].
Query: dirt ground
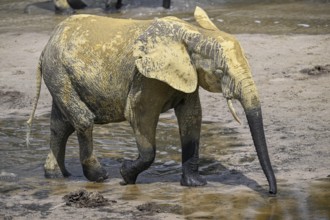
[292, 74]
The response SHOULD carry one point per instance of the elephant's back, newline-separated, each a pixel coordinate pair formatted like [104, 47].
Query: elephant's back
[100, 28]
[96, 53]
[89, 44]
[81, 36]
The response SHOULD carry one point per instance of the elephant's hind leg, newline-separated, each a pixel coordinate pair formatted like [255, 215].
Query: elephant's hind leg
[67, 98]
[80, 117]
[60, 130]
[92, 168]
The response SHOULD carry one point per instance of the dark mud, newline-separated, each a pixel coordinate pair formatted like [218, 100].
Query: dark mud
[317, 70]
[84, 199]
[11, 99]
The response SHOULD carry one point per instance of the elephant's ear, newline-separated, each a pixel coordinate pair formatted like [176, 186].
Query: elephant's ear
[167, 60]
[203, 19]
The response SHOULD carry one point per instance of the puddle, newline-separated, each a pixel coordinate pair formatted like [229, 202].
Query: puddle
[230, 193]
[112, 143]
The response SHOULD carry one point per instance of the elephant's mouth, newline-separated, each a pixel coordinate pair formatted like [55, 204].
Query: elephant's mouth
[232, 110]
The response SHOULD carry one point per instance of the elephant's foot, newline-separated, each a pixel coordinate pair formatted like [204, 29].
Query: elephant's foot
[93, 170]
[190, 175]
[56, 173]
[193, 179]
[128, 172]
[52, 170]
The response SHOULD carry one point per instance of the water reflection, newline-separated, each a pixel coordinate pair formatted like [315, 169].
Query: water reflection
[220, 202]
[319, 199]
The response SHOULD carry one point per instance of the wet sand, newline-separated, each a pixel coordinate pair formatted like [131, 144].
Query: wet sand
[296, 117]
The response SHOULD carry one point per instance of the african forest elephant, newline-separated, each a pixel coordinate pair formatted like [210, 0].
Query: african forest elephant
[68, 6]
[101, 70]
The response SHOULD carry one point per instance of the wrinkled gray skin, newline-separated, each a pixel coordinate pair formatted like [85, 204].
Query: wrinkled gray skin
[101, 70]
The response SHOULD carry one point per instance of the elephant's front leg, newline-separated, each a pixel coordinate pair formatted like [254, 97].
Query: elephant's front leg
[189, 119]
[145, 102]
[92, 168]
[144, 126]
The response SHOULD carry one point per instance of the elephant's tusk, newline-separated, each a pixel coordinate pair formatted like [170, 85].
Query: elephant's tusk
[232, 110]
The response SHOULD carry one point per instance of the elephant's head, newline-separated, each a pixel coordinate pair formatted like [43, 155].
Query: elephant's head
[185, 56]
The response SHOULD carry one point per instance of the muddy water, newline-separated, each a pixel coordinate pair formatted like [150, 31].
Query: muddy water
[113, 143]
[21, 171]
[230, 193]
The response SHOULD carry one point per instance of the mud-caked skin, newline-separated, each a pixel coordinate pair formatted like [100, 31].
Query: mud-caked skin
[101, 70]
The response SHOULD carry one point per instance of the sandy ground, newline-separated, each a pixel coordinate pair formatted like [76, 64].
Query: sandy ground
[296, 117]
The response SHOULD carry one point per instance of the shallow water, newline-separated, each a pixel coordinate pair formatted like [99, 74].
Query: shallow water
[113, 143]
[229, 192]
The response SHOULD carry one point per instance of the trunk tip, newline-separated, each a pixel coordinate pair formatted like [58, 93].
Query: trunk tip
[273, 190]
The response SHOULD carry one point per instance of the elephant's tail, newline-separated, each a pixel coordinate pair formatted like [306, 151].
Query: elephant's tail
[38, 86]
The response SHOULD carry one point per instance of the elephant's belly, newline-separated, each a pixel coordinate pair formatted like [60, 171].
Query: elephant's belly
[108, 105]
[106, 110]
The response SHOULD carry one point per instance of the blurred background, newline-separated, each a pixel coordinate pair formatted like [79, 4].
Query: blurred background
[234, 16]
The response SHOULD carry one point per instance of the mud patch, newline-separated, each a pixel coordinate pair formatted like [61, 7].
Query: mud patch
[154, 208]
[317, 70]
[8, 177]
[19, 72]
[83, 199]
[12, 99]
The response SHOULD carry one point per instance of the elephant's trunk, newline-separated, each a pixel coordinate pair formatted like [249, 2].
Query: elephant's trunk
[251, 104]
